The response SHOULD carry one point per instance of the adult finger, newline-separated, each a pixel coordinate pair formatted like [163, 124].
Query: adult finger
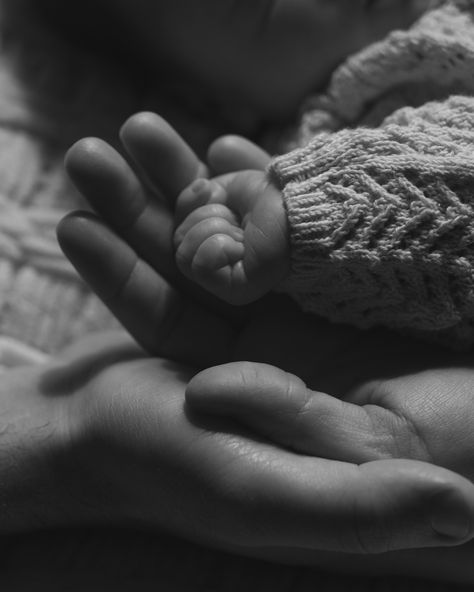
[112, 188]
[234, 153]
[333, 505]
[279, 406]
[163, 157]
[287, 500]
[383, 505]
[254, 494]
[161, 319]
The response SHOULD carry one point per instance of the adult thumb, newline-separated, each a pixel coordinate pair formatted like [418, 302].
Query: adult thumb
[333, 504]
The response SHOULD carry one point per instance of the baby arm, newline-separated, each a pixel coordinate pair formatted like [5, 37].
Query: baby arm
[231, 235]
[381, 222]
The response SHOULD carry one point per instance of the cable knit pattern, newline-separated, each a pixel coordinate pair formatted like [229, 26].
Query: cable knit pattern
[432, 60]
[50, 95]
[382, 219]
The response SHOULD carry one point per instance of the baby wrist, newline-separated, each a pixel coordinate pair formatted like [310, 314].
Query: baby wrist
[273, 202]
[369, 247]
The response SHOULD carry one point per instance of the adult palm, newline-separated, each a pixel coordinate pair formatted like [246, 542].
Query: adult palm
[114, 428]
[386, 396]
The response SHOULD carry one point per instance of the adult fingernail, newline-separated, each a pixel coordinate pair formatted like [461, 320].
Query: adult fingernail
[450, 516]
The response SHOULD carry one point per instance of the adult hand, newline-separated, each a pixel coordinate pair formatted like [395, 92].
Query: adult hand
[120, 268]
[102, 435]
[385, 396]
[115, 443]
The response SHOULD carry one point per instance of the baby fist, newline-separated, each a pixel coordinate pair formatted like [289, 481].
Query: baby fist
[232, 236]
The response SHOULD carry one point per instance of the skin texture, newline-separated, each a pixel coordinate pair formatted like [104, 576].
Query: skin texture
[400, 388]
[102, 435]
[385, 397]
[105, 417]
[232, 236]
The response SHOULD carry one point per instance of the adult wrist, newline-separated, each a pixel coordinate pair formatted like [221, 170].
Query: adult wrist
[88, 458]
[33, 452]
[98, 484]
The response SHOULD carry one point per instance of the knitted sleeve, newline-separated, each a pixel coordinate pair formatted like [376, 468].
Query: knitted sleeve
[382, 222]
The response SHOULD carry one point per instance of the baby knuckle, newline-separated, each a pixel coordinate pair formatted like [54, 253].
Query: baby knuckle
[216, 225]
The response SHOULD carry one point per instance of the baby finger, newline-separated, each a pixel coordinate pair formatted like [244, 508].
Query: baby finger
[213, 210]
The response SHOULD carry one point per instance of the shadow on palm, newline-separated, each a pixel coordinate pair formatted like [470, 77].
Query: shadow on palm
[386, 396]
[417, 397]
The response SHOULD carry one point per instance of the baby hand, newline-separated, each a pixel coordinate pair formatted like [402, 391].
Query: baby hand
[231, 235]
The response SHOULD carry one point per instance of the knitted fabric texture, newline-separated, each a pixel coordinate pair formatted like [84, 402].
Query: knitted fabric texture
[50, 95]
[431, 61]
[382, 218]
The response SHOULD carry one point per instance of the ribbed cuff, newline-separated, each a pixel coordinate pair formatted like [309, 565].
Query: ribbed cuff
[373, 242]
